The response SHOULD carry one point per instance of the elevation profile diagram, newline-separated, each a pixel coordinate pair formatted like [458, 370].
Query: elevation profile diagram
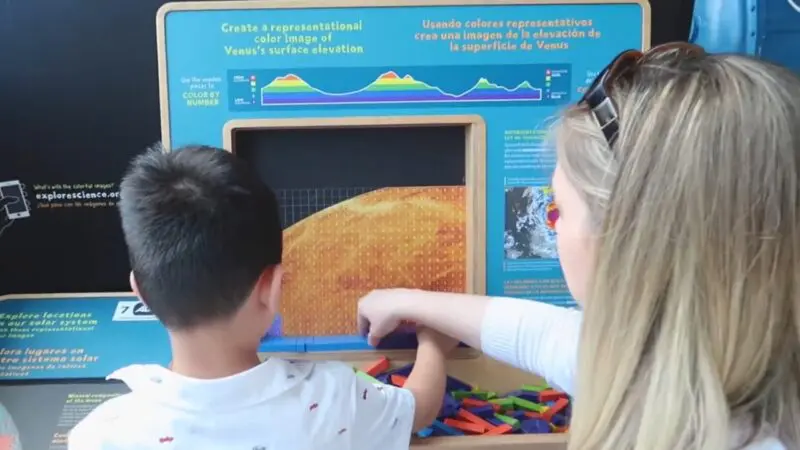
[389, 87]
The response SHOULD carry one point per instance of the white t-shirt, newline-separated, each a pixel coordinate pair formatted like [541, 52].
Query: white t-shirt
[543, 339]
[279, 404]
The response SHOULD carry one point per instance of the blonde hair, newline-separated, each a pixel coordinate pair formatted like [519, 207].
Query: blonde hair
[692, 322]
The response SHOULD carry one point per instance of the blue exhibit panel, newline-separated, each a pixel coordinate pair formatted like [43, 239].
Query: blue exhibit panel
[77, 337]
[516, 66]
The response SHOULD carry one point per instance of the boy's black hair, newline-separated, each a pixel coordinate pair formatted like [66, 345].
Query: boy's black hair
[201, 228]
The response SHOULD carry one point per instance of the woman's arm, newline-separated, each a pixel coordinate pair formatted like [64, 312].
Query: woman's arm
[533, 336]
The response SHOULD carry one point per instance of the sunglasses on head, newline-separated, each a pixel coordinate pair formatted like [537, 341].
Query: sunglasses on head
[597, 98]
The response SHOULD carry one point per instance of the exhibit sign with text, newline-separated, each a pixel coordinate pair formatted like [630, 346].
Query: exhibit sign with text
[513, 65]
[81, 336]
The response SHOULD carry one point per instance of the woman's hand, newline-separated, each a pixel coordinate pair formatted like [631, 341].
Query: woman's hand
[457, 315]
[381, 311]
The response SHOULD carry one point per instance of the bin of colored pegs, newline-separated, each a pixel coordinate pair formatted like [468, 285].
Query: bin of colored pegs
[469, 411]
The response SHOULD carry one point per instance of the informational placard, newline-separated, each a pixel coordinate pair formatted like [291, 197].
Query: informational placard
[40, 416]
[77, 337]
[515, 66]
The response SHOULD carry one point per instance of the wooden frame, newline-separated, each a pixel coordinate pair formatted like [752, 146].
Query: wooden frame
[161, 30]
[474, 177]
[475, 164]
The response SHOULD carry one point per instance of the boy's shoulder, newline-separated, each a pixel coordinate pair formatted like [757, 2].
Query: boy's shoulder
[328, 370]
[119, 423]
[104, 423]
[316, 376]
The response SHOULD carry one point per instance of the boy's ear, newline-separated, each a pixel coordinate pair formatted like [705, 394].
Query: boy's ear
[270, 284]
[134, 286]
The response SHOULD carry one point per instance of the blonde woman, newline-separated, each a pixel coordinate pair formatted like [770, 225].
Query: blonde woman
[679, 233]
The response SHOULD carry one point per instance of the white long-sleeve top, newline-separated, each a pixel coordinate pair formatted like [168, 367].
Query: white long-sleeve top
[543, 339]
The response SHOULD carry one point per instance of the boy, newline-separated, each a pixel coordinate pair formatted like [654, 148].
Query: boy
[205, 244]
